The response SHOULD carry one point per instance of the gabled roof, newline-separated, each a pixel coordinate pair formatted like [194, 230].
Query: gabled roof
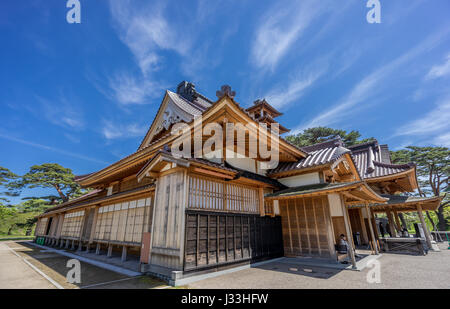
[270, 120]
[145, 152]
[258, 104]
[190, 110]
[373, 160]
[318, 154]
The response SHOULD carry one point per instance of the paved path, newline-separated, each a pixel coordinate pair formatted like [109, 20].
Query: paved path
[25, 266]
[397, 271]
[16, 273]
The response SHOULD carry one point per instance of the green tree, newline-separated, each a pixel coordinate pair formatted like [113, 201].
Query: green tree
[316, 135]
[433, 171]
[5, 211]
[6, 180]
[51, 175]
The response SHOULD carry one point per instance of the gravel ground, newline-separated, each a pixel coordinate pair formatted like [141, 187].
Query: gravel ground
[397, 271]
[15, 273]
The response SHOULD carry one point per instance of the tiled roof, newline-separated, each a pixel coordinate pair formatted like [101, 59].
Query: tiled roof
[200, 102]
[185, 105]
[318, 154]
[257, 177]
[400, 199]
[261, 104]
[312, 188]
[68, 206]
[90, 194]
[373, 160]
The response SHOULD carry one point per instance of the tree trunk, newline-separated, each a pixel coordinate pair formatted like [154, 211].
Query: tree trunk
[431, 220]
[442, 223]
[61, 194]
[402, 218]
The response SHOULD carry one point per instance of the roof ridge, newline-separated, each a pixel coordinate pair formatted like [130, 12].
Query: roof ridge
[374, 141]
[316, 147]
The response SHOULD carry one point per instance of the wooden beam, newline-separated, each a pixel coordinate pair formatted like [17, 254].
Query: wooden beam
[262, 211]
[211, 173]
[397, 221]
[348, 230]
[363, 226]
[424, 226]
[391, 223]
[372, 234]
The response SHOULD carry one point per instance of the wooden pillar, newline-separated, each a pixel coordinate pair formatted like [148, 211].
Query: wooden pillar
[73, 245]
[94, 224]
[365, 237]
[391, 223]
[97, 249]
[124, 253]
[262, 211]
[424, 226]
[372, 234]
[397, 220]
[348, 230]
[109, 254]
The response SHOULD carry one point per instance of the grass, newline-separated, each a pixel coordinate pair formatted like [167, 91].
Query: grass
[10, 237]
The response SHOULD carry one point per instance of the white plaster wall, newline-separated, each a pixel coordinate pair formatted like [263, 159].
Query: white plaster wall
[240, 162]
[335, 205]
[214, 156]
[276, 207]
[300, 180]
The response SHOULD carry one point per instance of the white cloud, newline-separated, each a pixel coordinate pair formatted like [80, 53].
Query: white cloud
[113, 130]
[49, 148]
[434, 124]
[442, 140]
[440, 70]
[129, 90]
[282, 96]
[146, 31]
[370, 86]
[60, 112]
[280, 28]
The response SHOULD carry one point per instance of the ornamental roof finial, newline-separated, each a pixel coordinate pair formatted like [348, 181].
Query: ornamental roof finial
[225, 90]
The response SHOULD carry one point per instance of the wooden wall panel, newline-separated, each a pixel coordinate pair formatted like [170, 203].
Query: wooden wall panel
[338, 227]
[306, 227]
[168, 217]
[124, 222]
[72, 224]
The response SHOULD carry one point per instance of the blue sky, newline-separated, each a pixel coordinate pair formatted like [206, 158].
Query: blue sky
[83, 95]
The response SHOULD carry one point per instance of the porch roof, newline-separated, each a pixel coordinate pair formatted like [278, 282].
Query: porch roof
[357, 190]
[402, 203]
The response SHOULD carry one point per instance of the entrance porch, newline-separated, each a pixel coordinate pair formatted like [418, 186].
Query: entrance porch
[315, 216]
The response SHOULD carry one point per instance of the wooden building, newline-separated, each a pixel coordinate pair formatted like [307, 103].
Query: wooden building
[182, 215]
